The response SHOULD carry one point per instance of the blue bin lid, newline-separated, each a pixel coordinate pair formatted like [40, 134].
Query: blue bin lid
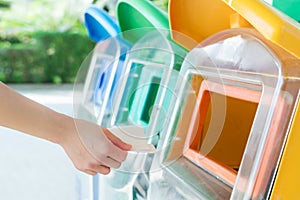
[99, 24]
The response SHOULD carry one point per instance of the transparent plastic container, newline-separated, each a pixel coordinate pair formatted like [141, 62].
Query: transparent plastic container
[148, 66]
[229, 120]
[97, 79]
[243, 80]
[96, 83]
[144, 56]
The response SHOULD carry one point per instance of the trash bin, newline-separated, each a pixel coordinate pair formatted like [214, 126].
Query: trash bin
[146, 17]
[99, 24]
[234, 106]
[96, 82]
[103, 77]
[146, 69]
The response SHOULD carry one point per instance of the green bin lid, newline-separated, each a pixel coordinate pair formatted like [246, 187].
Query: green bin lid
[134, 14]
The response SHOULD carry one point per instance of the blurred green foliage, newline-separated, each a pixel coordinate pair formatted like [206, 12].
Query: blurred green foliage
[162, 4]
[44, 41]
[46, 57]
[46, 45]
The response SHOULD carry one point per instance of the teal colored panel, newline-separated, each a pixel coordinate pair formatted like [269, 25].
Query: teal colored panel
[289, 7]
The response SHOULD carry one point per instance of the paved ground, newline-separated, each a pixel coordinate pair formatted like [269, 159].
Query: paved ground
[34, 169]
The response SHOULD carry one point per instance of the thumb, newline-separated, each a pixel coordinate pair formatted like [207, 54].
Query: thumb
[116, 141]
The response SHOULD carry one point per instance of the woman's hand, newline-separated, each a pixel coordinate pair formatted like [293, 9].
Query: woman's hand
[91, 148]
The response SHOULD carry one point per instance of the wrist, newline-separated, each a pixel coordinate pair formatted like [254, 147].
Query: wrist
[64, 126]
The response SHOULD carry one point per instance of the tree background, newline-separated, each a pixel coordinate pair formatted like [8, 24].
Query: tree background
[45, 41]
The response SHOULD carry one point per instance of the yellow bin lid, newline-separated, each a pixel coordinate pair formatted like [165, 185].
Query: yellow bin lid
[201, 18]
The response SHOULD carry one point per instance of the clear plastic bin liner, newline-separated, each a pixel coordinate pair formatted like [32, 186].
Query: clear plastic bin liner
[243, 51]
[237, 53]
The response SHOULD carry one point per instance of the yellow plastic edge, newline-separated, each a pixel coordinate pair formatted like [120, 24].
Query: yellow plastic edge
[196, 21]
[273, 25]
[288, 175]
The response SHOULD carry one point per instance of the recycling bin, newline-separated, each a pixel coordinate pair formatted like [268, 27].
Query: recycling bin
[149, 18]
[99, 24]
[234, 106]
[146, 69]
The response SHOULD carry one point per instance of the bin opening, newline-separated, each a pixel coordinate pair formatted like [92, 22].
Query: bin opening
[130, 78]
[101, 80]
[218, 138]
[96, 87]
[140, 92]
[150, 99]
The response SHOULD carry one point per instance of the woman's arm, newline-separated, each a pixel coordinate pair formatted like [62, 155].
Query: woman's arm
[92, 148]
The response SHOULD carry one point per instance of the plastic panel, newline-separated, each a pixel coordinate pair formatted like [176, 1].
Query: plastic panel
[228, 62]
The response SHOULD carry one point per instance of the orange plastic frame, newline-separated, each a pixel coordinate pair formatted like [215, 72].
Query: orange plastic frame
[217, 168]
